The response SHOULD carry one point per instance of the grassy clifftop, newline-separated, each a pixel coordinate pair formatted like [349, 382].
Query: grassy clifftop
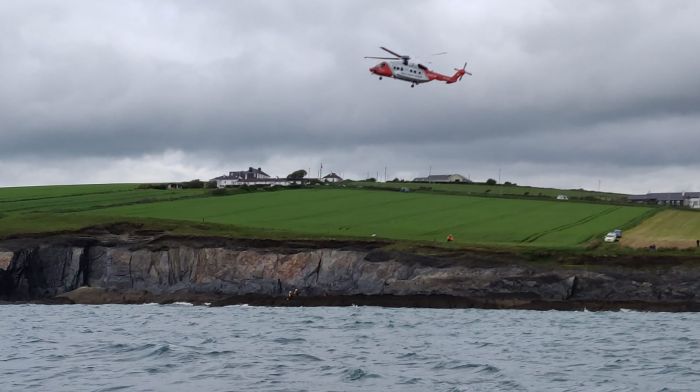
[318, 212]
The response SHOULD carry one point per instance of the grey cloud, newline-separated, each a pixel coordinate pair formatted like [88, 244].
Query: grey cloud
[555, 83]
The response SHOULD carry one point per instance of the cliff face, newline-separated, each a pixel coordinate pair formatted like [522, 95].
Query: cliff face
[213, 270]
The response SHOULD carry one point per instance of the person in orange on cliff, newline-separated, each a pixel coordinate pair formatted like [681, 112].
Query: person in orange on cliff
[450, 238]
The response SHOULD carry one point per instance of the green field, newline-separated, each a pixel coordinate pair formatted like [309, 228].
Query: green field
[319, 212]
[52, 208]
[424, 217]
[667, 229]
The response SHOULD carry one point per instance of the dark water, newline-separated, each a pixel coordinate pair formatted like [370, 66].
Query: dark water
[238, 348]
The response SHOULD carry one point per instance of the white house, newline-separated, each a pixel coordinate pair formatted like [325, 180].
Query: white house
[332, 178]
[442, 178]
[251, 176]
[693, 202]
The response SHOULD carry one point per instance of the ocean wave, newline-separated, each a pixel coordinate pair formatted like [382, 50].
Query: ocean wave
[261, 348]
[357, 374]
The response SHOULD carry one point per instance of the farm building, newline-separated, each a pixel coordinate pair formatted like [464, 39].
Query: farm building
[680, 199]
[251, 176]
[442, 178]
[332, 178]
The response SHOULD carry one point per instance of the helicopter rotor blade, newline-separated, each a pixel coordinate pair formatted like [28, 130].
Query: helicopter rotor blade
[382, 58]
[394, 53]
[464, 70]
[423, 59]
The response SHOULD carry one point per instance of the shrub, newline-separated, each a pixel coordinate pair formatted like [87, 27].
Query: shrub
[194, 184]
[297, 175]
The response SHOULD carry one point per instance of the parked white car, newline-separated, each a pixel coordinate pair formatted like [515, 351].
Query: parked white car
[610, 237]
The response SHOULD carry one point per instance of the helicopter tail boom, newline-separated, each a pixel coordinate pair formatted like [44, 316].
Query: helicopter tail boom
[459, 74]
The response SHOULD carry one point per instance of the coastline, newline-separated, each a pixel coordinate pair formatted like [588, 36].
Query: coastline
[126, 266]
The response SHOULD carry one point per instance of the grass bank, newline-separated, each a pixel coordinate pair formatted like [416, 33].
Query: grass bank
[319, 212]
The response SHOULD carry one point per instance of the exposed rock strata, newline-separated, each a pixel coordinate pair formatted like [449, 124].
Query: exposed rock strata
[127, 268]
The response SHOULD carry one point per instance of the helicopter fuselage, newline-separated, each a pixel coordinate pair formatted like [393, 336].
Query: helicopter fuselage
[410, 72]
[414, 73]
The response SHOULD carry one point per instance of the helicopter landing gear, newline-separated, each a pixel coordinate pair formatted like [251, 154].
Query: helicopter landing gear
[380, 78]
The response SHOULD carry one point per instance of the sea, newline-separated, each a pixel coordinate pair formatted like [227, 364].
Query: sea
[180, 347]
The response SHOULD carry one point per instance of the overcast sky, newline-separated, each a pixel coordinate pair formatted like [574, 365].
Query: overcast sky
[565, 93]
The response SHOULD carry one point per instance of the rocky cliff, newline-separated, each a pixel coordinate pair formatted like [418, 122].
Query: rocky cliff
[145, 267]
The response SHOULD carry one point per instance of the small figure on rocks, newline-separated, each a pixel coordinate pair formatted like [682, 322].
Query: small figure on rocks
[292, 294]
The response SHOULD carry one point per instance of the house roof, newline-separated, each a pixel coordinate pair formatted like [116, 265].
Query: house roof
[332, 175]
[234, 175]
[250, 170]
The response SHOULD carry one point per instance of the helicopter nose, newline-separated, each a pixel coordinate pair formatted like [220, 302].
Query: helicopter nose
[380, 70]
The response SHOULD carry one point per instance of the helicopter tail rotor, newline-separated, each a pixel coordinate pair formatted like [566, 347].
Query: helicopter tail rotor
[463, 71]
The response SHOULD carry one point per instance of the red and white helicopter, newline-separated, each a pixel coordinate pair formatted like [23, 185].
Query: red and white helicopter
[411, 72]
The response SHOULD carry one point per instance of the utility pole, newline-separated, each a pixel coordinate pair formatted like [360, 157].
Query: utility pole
[384, 173]
[499, 175]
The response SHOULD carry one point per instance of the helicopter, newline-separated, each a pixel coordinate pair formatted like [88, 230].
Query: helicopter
[414, 73]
